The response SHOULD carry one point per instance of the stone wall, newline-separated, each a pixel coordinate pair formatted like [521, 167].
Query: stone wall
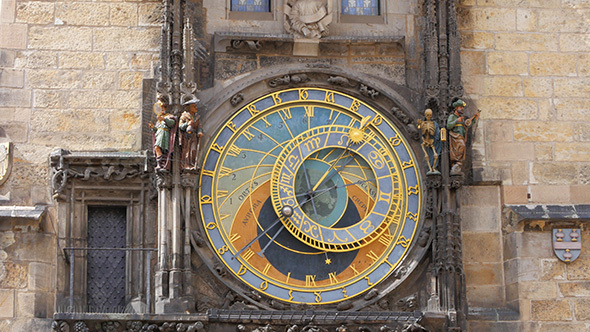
[27, 274]
[70, 77]
[525, 66]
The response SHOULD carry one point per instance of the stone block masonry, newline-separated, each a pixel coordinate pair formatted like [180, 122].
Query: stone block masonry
[526, 67]
[531, 66]
[73, 60]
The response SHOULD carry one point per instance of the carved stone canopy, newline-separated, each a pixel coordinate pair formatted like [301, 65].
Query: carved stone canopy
[109, 166]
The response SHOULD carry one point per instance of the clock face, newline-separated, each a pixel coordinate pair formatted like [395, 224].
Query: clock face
[310, 196]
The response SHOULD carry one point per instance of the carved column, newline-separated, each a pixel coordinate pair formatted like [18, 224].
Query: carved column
[176, 84]
[447, 299]
[161, 277]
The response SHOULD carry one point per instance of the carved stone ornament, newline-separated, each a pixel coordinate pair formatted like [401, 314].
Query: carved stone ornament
[86, 166]
[341, 81]
[567, 244]
[60, 326]
[5, 161]
[80, 327]
[288, 79]
[253, 45]
[237, 98]
[368, 92]
[308, 18]
[408, 303]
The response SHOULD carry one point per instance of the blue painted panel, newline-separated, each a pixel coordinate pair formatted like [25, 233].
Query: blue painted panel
[250, 5]
[360, 7]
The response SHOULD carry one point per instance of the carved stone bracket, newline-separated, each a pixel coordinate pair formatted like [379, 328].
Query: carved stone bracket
[433, 181]
[237, 98]
[162, 178]
[252, 45]
[457, 181]
[188, 178]
[86, 166]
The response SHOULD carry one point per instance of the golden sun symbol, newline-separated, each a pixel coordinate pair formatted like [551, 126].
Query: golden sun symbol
[328, 261]
[356, 135]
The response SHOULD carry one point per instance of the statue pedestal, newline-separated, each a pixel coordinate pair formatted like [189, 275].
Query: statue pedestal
[306, 47]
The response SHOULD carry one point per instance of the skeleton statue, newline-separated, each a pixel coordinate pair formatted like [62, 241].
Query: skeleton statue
[307, 18]
[431, 144]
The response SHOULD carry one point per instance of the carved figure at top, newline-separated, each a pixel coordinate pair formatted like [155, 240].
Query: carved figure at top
[164, 132]
[431, 144]
[307, 18]
[190, 134]
[457, 126]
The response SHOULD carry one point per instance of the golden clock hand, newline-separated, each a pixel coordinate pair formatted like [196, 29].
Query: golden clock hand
[261, 253]
[274, 223]
[279, 231]
[325, 179]
[321, 181]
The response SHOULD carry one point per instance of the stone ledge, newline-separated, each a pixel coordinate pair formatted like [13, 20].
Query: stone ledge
[129, 317]
[518, 213]
[25, 212]
[222, 40]
[493, 314]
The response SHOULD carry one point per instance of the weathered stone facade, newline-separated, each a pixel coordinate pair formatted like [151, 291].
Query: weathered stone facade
[524, 66]
[72, 76]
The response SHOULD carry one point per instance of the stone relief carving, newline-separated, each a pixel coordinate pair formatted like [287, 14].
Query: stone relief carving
[116, 170]
[407, 120]
[288, 79]
[368, 92]
[253, 45]
[60, 326]
[237, 98]
[408, 303]
[341, 81]
[307, 18]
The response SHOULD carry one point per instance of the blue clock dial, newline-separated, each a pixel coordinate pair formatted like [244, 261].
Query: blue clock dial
[309, 196]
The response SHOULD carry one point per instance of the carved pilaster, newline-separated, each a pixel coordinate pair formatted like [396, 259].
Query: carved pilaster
[431, 41]
[455, 85]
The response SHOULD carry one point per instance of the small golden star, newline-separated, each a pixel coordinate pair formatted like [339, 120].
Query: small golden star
[328, 261]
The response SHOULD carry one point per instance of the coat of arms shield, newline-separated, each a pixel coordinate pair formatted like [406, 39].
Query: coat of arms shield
[567, 243]
[5, 161]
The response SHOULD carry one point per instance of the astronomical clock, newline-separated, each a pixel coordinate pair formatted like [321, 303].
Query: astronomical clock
[310, 197]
